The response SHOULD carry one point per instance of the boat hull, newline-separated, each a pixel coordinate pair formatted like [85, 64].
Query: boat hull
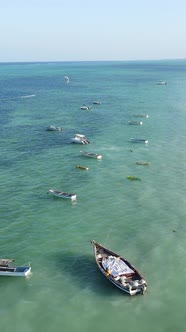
[91, 155]
[126, 277]
[20, 271]
[61, 194]
[82, 167]
[139, 140]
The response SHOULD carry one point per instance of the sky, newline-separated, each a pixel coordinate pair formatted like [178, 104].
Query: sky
[92, 30]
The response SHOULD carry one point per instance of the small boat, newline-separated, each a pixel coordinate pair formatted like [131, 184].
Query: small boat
[139, 140]
[135, 122]
[85, 107]
[62, 194]
[91, 155]
[82, 167]
[118, 270]
[133, 178]
[96, 102]
[9, 270]
[141, 115]
[80, 139]
[54, 128]
[145, 163]
[161, 83]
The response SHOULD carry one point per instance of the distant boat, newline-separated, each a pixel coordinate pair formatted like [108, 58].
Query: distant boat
[82, 167]
[139, 140]
[62, 194]
[9, 270]
[119, 270]
[145, 163]
[161, 83]
[135, 122]
[67, 79]
[141, 115]
[96, 102]
[91, 155]
[133, 178]
[85, 107]
[80, 139]
[54, 128]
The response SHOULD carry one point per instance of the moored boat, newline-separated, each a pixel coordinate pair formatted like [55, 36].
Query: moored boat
[80, 139]
[145, 163]
[82, 167]
[62, 194]
[54, 128]
[96, 102]
[85, 107]
[161, 83]
[9, 270]
[133, 178]
[139, 140]
[119, 270]
[135, 122]
[141, 115]
[91, 155]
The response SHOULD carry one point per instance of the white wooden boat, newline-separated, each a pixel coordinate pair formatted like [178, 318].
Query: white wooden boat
[145, 163]
[9, 270]
[135, 122]
[62, 194]
[96, 102]
[118, 270]
[85, 107]
[141, 115]
[79, 139]
[91, 155]
[161, 83]
[54, 128]
[139, 140]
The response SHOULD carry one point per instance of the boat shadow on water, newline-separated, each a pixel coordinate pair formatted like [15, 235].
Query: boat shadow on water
[82, 270]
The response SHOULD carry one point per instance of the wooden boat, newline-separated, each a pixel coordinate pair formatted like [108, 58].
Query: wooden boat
[91, 155]
[85, 107]
[135, 122]
[9, 270]
[133, 178]
[82, 167]
[80, 139]
[62, 194]
[161, 83]
[145, 163]
[139, 140]
[141, 115]
[54, 128]
[96, 102]
[118, 270]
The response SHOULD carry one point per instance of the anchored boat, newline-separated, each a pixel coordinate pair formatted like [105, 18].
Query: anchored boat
[80, 139]
[82, 167]
[9, 270]
[133, 178]
[135, 122]
[145, 163]
[62, 194]
[139, 140]
[118, 270]
[91, 155]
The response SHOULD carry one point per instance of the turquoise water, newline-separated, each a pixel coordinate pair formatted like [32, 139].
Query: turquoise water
[142, 220]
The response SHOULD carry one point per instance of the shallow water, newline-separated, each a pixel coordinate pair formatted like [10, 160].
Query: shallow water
[141, 220]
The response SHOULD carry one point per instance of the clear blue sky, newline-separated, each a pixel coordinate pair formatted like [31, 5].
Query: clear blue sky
[70, 30]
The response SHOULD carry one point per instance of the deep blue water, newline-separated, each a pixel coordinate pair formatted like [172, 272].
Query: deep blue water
[142, 220]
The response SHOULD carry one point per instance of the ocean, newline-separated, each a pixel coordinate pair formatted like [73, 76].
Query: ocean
[143, 221]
